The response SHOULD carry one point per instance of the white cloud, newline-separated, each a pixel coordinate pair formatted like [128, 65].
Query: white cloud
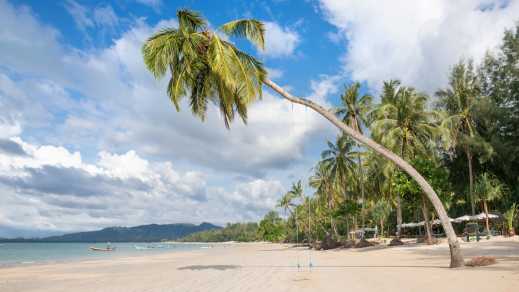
[324, 87]
[80, 14]
[124, 166]
[416, 41]
[255, 198]
[279, 41]
[50, 188]
[274, 73]
[102, 18]
[155, 4]
[105, 16]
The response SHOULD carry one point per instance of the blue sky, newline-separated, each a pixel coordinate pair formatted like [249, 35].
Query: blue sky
[88, 138]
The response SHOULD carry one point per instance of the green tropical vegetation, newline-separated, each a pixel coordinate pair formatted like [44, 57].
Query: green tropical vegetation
[243, 232]
[407, 157]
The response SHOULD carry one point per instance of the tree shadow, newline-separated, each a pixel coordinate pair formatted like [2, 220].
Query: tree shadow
[209, 267]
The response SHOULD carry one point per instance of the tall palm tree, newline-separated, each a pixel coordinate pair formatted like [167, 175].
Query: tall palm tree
[488, 188]
[287, 200]
[380, 211]
[325, 181]
[380, 173]
[460, 102]
[354, 108]
[338, 160]
[205, 67]
[402, 123]
[354, 111]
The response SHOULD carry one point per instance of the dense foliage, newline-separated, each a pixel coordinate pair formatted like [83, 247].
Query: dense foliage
[242, 232]
[464, 140]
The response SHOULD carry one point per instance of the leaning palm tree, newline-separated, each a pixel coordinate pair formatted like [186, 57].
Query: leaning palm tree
[206, 68]
[354, 111]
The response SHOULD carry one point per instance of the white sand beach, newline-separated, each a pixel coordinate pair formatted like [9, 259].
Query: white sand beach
[273, 267]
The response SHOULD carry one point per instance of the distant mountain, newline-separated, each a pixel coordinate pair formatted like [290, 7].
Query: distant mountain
[143, 233]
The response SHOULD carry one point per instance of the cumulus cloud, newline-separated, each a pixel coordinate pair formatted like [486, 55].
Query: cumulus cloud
[325, 86]
[11, 147]
[279, 41]
[254, 198]
[416, 41]
[85, 18]
[51, 188]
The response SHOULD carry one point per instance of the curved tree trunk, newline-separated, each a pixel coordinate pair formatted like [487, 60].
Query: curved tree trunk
[455, 250]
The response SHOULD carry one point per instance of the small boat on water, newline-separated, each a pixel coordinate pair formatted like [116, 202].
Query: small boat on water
[107, 248]
[92, 248]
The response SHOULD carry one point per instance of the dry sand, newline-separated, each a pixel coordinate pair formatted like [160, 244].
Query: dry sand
[273, 267]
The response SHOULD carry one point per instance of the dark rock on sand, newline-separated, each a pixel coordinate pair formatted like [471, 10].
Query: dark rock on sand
[363, 243]
[395, 242]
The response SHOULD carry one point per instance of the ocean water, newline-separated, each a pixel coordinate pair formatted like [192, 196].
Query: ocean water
[24, 253]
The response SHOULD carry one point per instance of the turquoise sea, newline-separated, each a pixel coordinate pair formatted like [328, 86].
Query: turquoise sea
[35, 253]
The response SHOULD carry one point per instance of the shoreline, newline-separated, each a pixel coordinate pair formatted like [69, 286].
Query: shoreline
[274, 267]
[127, 252]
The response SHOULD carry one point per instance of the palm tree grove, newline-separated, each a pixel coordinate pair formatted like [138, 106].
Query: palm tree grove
[400, 155]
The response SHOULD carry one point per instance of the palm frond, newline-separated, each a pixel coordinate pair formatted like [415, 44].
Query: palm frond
[190, 21]
[251, 29]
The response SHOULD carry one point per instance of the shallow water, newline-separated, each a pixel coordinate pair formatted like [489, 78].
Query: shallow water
[34, 253]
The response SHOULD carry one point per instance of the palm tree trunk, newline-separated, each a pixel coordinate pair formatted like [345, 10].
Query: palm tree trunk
[485, 207]
[347, 228]
[455, 250]
[362, 215]
[425, 212]
[334, 228]
[398, 216]
[355, 227]
[381, 227]
[471, 181]
[399, 200]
